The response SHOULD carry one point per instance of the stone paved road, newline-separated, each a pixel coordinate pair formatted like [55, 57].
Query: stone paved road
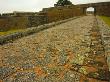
[70, 52]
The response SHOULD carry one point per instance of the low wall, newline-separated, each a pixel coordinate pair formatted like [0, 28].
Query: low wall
[7, 23]
[61, 13]
[22, 22]
[34, 21]
[14, 36]
[47, 15]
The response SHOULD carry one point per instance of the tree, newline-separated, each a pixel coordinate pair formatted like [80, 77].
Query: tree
[63, 2]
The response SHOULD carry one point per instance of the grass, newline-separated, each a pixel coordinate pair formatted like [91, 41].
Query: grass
[11, 31]
[106, 19]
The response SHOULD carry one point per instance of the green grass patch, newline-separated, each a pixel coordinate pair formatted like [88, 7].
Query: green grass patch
[106, 19]
[11, 31]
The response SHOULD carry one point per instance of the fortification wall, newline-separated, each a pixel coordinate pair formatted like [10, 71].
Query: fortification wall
[101, 8]
[34, 21]
[28, 31]
[7, 23]
[21, 20]
[60, 13]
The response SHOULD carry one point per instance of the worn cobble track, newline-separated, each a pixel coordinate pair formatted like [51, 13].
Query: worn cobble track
[70, 52]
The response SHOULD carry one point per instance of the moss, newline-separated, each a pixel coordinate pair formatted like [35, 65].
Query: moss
[93, 75]
[83, 70]
[86, 80]
[106, 19]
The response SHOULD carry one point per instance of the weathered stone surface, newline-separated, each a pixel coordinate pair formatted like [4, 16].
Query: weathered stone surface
[6, 71]
[60, 54]
[22, 77]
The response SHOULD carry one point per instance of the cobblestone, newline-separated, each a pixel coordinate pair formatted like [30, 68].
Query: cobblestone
[22, 77]
[6, 71]
[70, 52]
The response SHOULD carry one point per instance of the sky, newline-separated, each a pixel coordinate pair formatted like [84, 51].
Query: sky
[7, 6]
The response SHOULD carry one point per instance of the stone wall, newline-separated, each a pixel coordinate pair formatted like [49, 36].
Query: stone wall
[7, 23]
[101, 8]
[34, 21]
[28, 31]
[60, 13]
[3, 24]
[21, 20]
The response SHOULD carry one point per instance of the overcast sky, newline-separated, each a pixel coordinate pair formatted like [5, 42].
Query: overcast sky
[34, 5]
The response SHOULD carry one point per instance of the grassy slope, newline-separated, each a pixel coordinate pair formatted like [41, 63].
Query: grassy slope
[106, 19]
[11, 31]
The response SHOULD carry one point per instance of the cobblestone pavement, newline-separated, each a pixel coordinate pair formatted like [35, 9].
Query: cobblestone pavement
[74, 51]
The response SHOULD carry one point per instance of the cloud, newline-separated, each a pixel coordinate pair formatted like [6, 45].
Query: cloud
[13, 5]
[45, 3]
[34, 5]
[87, 1]
[90, 9]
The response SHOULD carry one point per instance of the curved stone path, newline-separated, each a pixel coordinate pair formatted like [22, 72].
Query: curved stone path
[70, 52]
